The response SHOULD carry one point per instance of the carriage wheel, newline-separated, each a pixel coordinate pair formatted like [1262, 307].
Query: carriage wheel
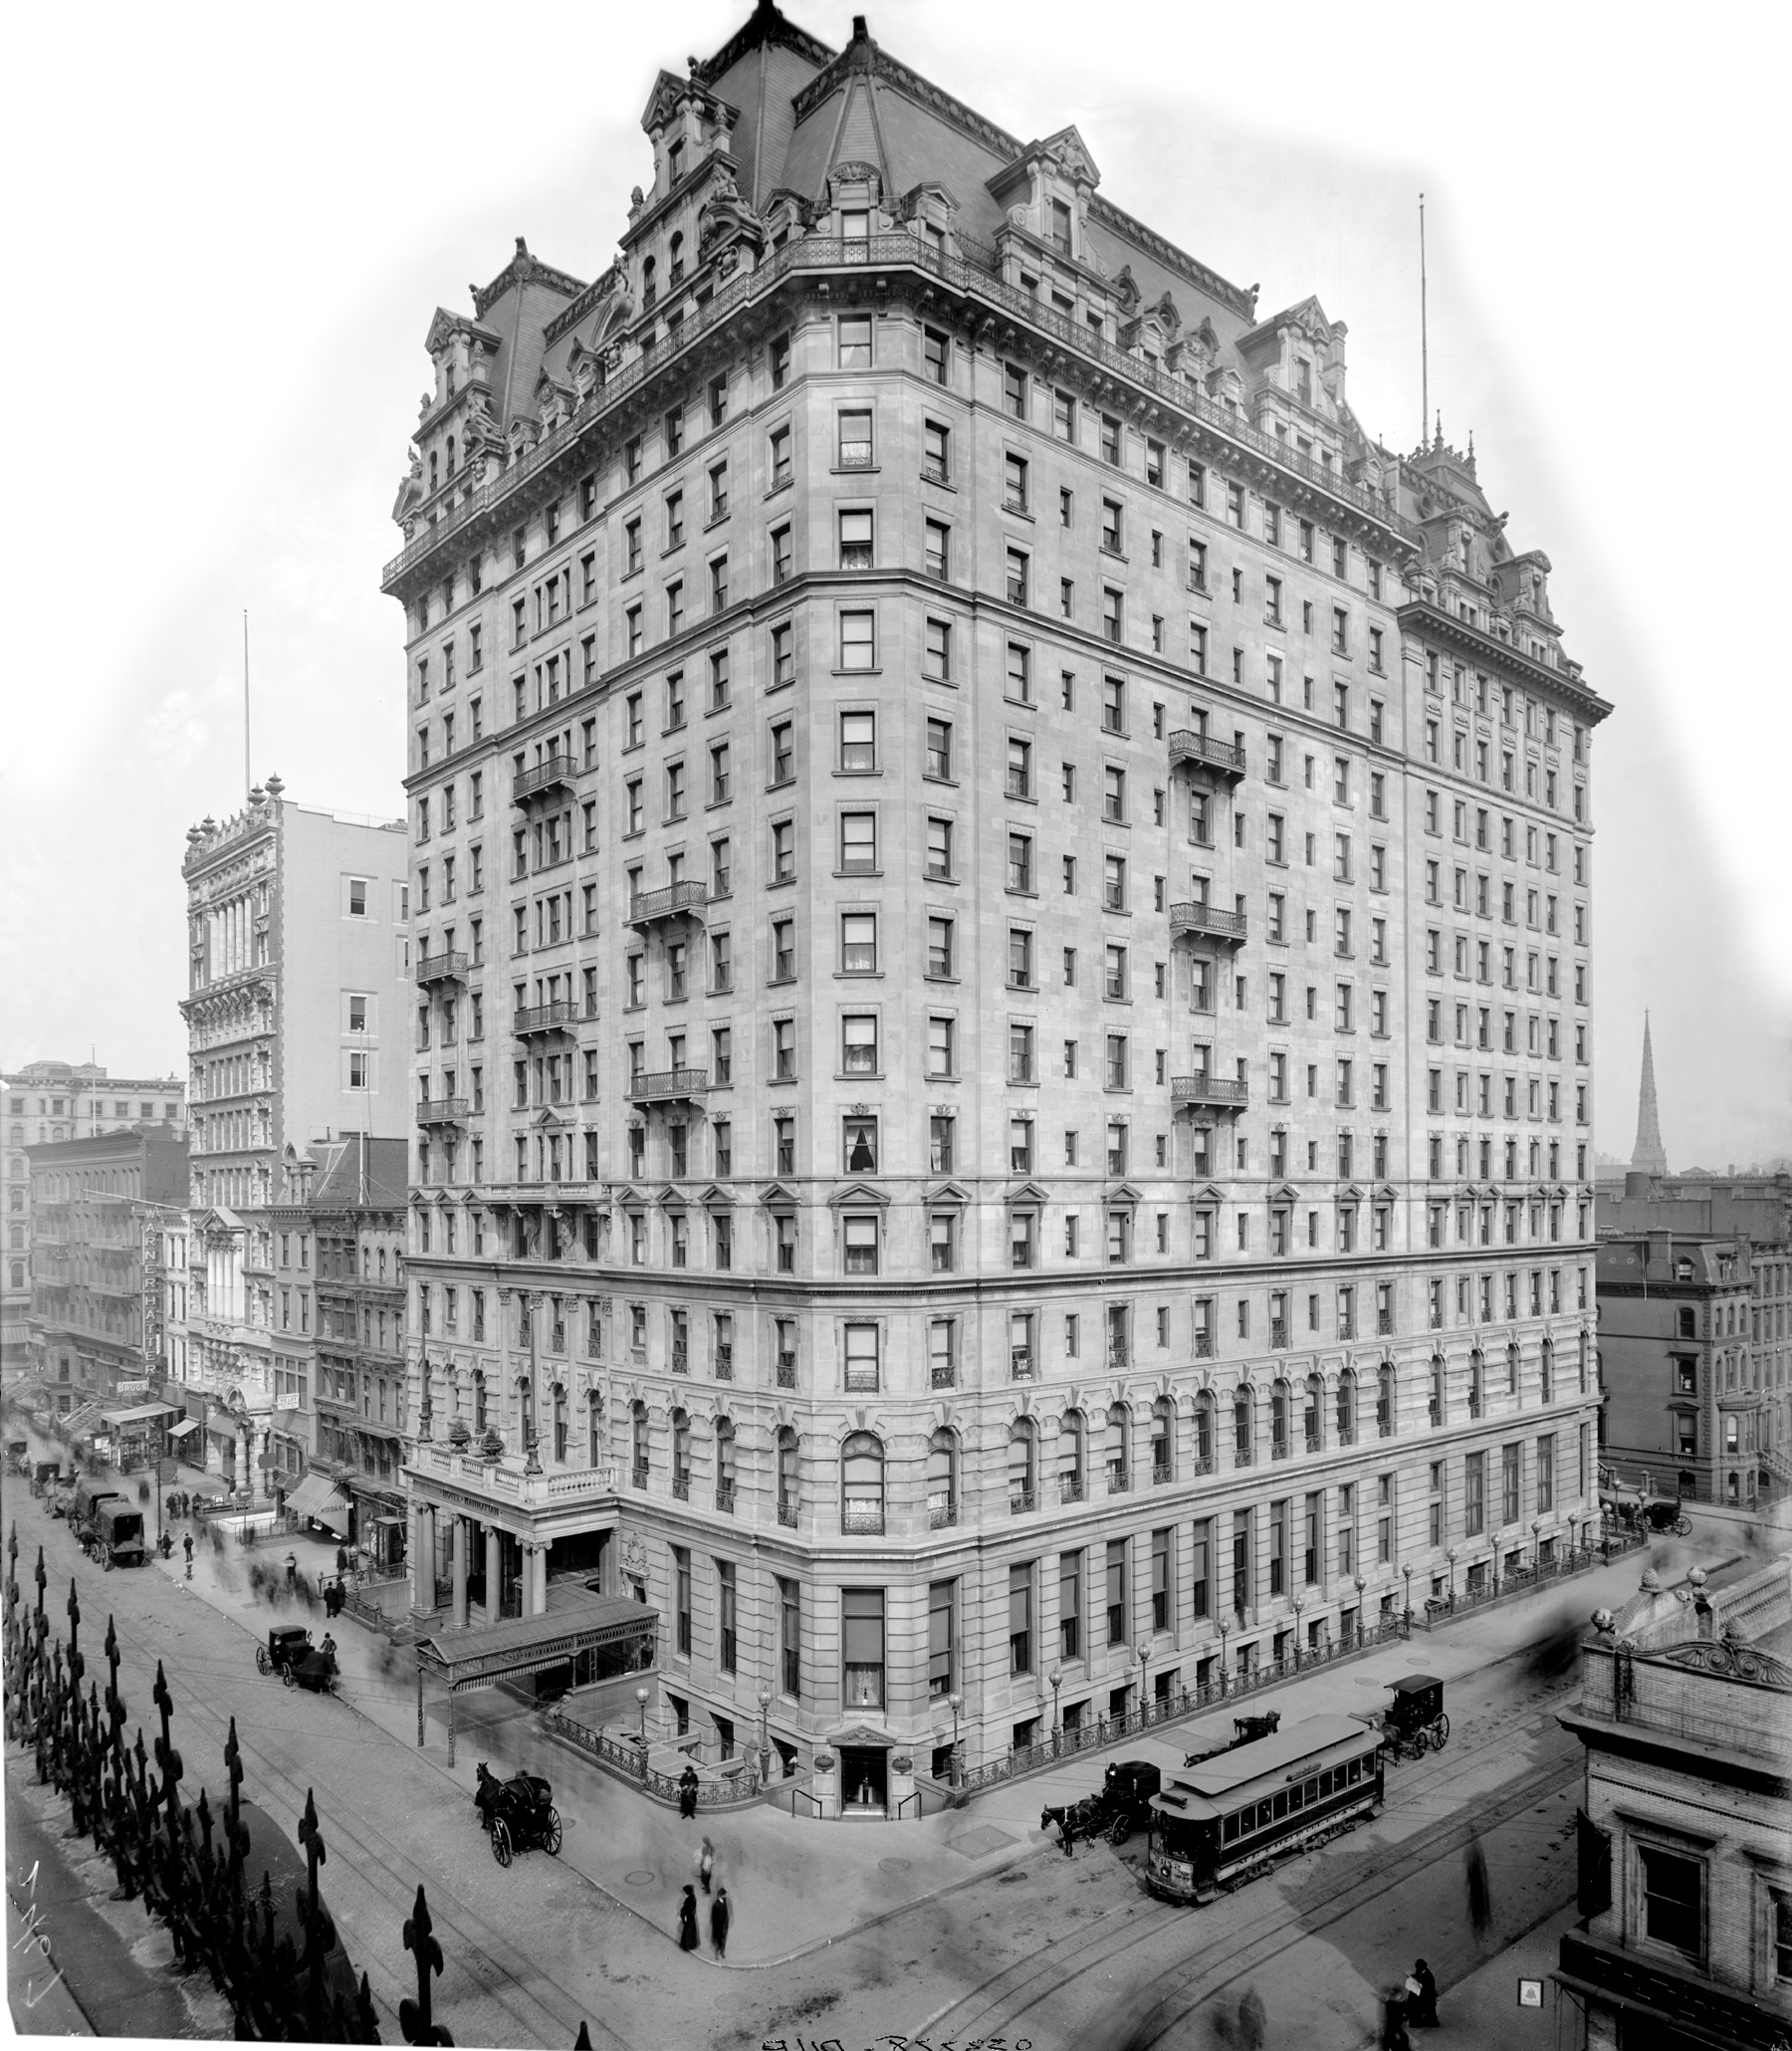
[1119, 1829]
[551, 1837]
[501, 1841]
[262, 1662]
[1439, 1736]
[285, 1674]
[1682, 1528]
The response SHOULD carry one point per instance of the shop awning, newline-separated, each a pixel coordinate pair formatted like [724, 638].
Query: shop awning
[179, 1431]
[490, 1653]
[316, 1497]
[142, 1414]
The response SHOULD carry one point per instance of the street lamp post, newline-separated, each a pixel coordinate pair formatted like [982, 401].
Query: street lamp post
[957, 1702]
[1537, 1543]
[1056, 1678]
[1224, 1627]
[765, 1702]
[1573, 1537]
[1299, 1605]
[1359, 1584]
[641, 1698]
[1408, 1572]
[1452, 1557]
[1144, 1662]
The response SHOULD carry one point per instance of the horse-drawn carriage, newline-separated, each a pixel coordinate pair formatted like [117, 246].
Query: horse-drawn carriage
[519, 1813]
[291, 1654]
[1122, 1805]
[17, 1453]
[1415, 1722]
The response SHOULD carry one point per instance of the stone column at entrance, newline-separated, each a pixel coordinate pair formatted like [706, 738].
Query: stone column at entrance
[534, 1578]
[460, 1572]
[422, 1556]
[493, 1569]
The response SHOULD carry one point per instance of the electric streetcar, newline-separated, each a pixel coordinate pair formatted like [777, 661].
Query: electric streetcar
[1227, 1819]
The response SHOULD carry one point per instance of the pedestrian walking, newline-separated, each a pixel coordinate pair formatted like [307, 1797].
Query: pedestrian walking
[292, 1566]
[341, 1560]
[187, 1542]
[1393, 2030]
[706, 1864]
[1481, 1891]
[687, 1920]
[687, 1792]
[1421, 1991]
[719, 1918]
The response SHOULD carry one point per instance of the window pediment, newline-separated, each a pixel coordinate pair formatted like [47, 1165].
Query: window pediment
[852, 1195]
[1028, 1193]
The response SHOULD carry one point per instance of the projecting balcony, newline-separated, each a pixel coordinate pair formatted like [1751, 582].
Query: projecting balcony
[1209, 1094]
[668, 1086]
[1070, 1487]
[555, 773]
[442, 1111]
[441, 968]
[552, 1018]
[1198, 752]
[675, 901]
[1196, 921]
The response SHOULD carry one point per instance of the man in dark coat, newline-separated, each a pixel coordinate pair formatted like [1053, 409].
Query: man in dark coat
[1422, 2011]
[687, 1939]
[686, 1793]
[719, 1916]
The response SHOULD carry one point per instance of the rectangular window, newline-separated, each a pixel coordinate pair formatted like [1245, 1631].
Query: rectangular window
[863, 1645]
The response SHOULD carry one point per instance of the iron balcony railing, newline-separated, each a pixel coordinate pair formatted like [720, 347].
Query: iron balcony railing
[1160, 1473]
[442, 1111]
[1199, 751]
[547, 774]
[557, 1016]
[974, 274]
[1118, 1481]
[673, 901]
[1243, 1456]
[1206, 922]
[442, 967]
[941, 1514]
[863, 1522]
[1070, 1487]
[1203, 1345]
[787, 1515]
[1021, 1502]
[725, 1497]
[667, 1085]
[1384, 1322]
[1212, 1091]
[1278, 1334]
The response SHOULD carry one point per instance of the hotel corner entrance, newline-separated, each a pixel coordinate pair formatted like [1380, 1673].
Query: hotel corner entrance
[864, 1781]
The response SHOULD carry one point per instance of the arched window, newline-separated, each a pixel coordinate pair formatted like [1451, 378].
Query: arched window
[681, 1456]
[1546, 1371]
[1384, 1400]
[1163, 1440]
[451, 455]
[1475, 1391]
[1278, 1419]
[1436, 1388]
[1512, 1370]
[862, 1483]
[594, 1429]
[1242, 1408]
[558, 1396]
[1203, 1433]
[1581, 1364]
[649, 284]
[638, 1438]
[1116, 1449]
[479, 1400]
[724, 1464]
[16, 1239]
[1022, 1474]
[1312, 1414]
[787, 1475]
[675, 251]
[1347, 1407]
[18, 1275]
[942, 1479]
[1070, 1457]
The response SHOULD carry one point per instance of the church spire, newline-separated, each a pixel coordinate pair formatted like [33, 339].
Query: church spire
[1650, 1155]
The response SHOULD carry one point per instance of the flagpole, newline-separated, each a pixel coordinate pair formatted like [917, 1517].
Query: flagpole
[1423, 337]
[248, 779]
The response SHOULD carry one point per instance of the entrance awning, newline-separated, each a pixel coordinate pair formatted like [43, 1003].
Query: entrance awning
[316, 1497]
[490, 1653]
[180, 1430]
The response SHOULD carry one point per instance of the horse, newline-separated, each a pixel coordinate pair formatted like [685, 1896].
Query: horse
[485, 1795]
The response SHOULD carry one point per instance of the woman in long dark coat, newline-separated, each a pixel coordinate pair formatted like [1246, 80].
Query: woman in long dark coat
[687, 1939]
[686, 1793]
[1422, 2011]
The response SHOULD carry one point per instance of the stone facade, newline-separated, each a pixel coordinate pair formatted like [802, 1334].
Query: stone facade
[1685, 1883]
[1005, 946]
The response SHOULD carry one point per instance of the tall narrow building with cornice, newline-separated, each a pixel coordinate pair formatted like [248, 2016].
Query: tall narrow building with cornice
[1005, 966]
[1649, 1156]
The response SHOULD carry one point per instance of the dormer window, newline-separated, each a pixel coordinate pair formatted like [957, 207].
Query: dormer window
[855, 224]
[1059, 225]
[675, 159]
[675, 251]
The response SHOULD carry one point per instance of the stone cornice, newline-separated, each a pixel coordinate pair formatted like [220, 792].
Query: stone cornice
[1489, 648]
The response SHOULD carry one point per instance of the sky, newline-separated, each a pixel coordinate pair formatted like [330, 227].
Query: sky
[229, 228]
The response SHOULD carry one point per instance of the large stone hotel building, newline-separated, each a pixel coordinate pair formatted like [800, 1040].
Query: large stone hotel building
[1004, 898]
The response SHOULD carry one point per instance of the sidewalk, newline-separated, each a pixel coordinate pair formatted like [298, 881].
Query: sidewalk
[799, 1885]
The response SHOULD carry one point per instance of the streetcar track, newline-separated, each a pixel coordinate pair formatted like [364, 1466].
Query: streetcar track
[476, 1950]
[1104, 1946]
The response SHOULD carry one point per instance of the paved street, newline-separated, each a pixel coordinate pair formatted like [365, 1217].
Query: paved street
[969, 1924]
